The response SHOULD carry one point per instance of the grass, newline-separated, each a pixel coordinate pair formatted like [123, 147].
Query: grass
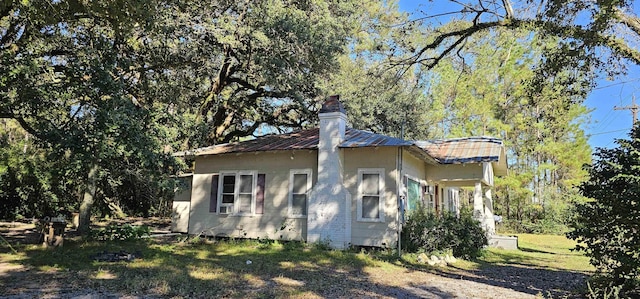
[546, 251]
[241, 268]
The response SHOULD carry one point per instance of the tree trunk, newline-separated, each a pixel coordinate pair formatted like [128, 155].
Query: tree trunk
[87, 201]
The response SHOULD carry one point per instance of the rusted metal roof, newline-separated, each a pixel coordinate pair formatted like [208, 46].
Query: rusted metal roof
[298, 140]
[464, 150]
[445, 151]
[359, 138]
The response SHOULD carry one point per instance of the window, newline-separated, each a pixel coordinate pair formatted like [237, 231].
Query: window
[239, 193]
[452, 200]
[430, 201]
[371, 195]
[414, 194]
[228, 193]
[299, 187]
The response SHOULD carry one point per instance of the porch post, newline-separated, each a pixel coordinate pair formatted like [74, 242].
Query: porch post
[490, 223]
[478, 208]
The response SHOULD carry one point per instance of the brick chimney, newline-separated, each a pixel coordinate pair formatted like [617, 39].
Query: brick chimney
[333, 124]
[329, 218]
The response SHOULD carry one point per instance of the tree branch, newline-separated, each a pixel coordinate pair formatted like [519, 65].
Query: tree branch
[590, 38]
[23, 123]
[630, 21]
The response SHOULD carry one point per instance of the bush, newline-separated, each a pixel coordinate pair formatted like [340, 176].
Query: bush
[607, 226]
[425, 231]
[120, 232]
[540, 226]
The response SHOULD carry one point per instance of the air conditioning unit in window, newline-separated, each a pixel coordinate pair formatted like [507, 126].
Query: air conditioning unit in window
[430, 190]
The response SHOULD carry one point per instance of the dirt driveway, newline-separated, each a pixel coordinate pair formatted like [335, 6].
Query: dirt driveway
[513, 281]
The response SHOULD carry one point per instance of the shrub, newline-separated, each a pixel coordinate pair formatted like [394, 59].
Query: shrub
[607, 226]
[425, 231]
[120, 232]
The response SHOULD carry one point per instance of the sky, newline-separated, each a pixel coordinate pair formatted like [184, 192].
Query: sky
[605, 123]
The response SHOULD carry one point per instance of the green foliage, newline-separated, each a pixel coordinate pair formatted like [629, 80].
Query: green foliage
[32, 182]
[607, 225]
[425, 231]
[603, 293]
[119, 232]
[252, 65]
[486, 89]
[551, 218]
[117, 87]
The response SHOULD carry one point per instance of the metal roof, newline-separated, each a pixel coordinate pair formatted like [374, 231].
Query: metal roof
[464, 150]
[445, 151]
[359, 138]
[298, 140]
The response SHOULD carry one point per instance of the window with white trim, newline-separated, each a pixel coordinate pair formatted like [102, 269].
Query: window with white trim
[453, 200]
[299, 187]
[431, 199]
[237, 193]
[371, 194]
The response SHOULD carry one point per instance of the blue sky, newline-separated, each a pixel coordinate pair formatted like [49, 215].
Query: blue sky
[606, 123]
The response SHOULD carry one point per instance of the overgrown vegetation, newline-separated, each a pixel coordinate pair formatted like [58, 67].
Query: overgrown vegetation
[122, 232]
[428, 232]
[607, 224]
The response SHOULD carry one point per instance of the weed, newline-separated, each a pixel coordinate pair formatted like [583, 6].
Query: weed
[120, 232]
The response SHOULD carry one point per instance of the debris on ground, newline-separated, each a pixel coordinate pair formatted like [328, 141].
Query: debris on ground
[106, 256]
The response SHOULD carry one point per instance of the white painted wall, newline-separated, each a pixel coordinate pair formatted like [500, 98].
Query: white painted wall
[329, 219]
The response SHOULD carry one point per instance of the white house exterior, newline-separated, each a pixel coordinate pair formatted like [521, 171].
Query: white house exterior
[333, 184]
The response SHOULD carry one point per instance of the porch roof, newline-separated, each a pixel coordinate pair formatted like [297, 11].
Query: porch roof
[468, 150]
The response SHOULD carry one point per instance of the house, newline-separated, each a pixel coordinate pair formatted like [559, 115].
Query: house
[332, 184]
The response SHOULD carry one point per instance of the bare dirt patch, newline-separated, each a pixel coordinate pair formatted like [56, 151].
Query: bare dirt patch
[24, 280]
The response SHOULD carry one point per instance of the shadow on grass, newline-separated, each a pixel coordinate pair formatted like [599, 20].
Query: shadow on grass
[219, 269]
[535, 250]
[517, 275]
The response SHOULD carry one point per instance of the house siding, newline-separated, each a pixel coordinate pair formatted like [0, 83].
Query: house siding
[382, 234]
[413, 167]
[456, 174]
[274, 222]
[181, 206]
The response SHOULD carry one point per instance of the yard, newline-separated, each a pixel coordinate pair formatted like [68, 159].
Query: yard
[180, 267]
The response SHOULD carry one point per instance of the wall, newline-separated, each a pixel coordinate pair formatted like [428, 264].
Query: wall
[181, 206]
[275, 166]
[456, 174]
[382, 234]
[413, 167]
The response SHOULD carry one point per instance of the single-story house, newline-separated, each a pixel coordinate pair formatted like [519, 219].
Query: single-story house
[332, 184]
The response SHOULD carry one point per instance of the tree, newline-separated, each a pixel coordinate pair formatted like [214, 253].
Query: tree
[607, 224]
[117, 86]
[65, 78]
[235, 66]
[588, 34]
[30, 182]
[489, 86]
[375, 98]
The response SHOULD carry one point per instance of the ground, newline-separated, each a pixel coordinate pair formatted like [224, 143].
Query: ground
[515, 280]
